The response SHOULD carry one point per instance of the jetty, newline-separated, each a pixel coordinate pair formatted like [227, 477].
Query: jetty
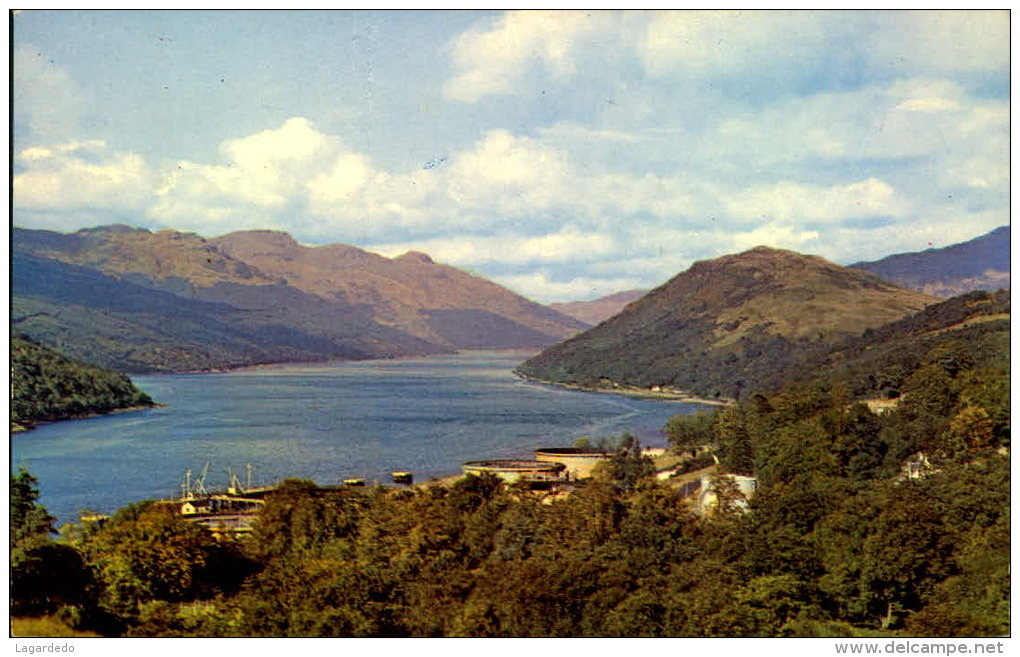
[229, 512]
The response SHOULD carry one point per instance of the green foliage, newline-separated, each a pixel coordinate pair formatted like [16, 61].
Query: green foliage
[29, 521]
[838, 540]
[148, 553]
[664, 350]
[48, 386]
[689, 432]
[46, 577]
[627, 467]
[733, 437]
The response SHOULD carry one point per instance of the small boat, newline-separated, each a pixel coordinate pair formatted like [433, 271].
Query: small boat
[354, 482]
[403, 477]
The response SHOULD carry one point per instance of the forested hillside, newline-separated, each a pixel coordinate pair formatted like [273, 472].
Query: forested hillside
[878, 362]
[865, 523]
[46, 385]
[728, 325]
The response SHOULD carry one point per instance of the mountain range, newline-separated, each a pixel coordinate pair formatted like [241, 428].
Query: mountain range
[598, 310]
[978, 264]
[138, 300]
[728, 323]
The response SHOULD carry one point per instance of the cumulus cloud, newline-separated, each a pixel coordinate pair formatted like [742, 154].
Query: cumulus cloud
[663, 138]
[348, 174]
[492, 61]
[775, 234]
[261, 177]
[513, 175]
[566, 245]
[80, 176]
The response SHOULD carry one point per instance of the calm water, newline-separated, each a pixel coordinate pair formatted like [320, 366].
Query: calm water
[324, 422]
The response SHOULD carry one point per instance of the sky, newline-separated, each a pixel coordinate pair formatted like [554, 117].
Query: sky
[564, 154]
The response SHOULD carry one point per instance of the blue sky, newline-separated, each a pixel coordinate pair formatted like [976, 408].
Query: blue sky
[566, 155]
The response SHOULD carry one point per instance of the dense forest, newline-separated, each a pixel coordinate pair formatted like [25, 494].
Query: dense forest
[865, 523]
[728, 326]
[46, 385]
[874, 362]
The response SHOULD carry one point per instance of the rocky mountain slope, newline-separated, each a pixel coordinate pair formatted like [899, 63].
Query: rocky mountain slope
[727, 323]
[169, 301]
[598, 310]
[435, 302]
[979, 264]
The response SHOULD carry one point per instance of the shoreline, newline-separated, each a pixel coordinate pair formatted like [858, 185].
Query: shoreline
[22, 428]
[633, 391]
[524, 351]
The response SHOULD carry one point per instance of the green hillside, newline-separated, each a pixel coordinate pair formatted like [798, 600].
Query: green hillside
[968, 329]
[728, 325]
[48, 386]
[850, 533]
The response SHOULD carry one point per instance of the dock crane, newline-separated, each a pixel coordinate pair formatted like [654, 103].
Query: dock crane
[200, 482]
[235, 487]
[186, 486]
[188, 489]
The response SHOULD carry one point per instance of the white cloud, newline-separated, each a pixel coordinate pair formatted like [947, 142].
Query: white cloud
[539, 287]
[492, 61]
[496, 58]
[775, 234]
[263, 177]
[789, 201]
[349, 174]
[566, 245]
[81, 176]
[508, 174]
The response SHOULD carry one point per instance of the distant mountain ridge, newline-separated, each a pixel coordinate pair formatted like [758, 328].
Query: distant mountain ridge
[726, 323]
[978, 264]
[411, 292]
[598, 310]
[255, 297]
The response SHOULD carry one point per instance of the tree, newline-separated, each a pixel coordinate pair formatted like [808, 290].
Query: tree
[691, 431]
[884, 552]
[627, 466]
[45, 576]
[734, 440]
[148, 552]
[29, 521]
[972, 427]
[774, 601]
[48, 576]
[859, 444]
